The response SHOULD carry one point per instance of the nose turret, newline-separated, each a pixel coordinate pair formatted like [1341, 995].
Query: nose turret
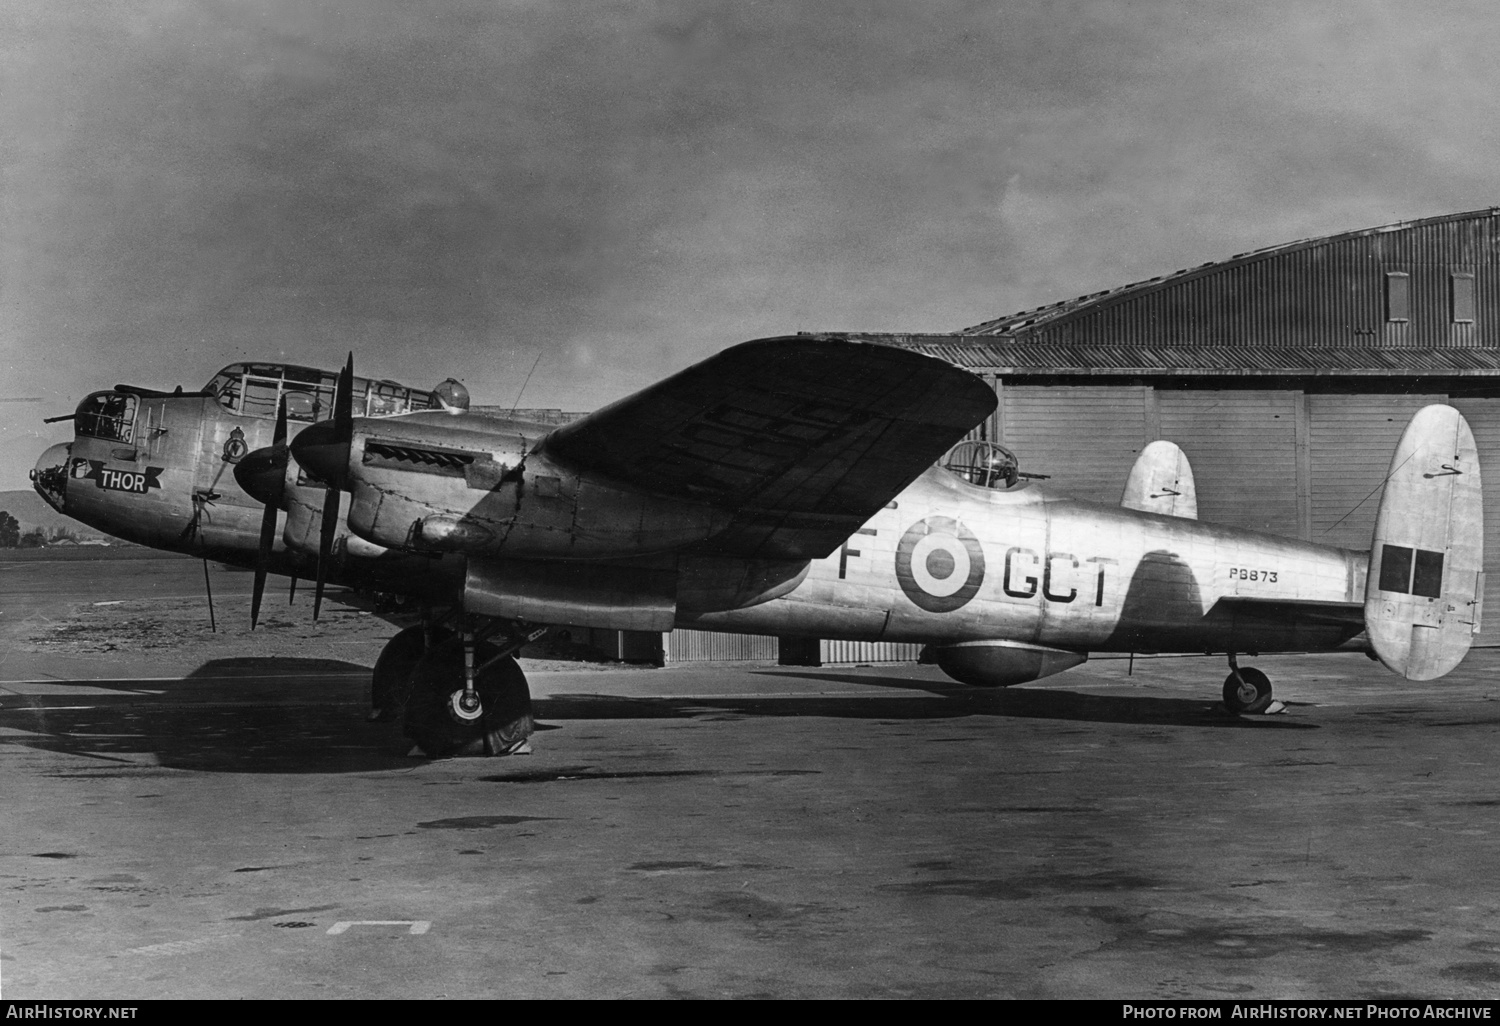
[50, 475]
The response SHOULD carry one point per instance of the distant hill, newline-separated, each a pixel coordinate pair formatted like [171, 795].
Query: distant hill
[29, 508]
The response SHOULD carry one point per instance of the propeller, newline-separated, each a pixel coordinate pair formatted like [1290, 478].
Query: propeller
[323, 450]
[262, 474]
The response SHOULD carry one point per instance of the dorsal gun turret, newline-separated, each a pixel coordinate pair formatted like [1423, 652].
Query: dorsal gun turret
[986, 464]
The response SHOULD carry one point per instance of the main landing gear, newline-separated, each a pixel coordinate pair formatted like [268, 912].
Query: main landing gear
[457, 692]
[1247, 690]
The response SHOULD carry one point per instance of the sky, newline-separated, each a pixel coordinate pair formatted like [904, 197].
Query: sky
[460, 188]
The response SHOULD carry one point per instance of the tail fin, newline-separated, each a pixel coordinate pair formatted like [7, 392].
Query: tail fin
[1422, 599]
[1162, 482]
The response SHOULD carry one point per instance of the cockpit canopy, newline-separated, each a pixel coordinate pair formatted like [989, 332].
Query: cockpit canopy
[255, 389]
[107, 415]
[986, 464]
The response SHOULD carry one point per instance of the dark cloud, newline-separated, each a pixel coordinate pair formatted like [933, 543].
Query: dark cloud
[626, 187]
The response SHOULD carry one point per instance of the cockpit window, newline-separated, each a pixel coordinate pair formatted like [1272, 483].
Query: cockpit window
[385, 398]
[226, 386]
[109, 415]
[984, 463]
[302, 405]
[256, 389]
[260, 397]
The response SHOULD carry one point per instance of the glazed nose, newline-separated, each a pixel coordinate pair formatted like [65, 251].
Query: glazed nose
[50, 475]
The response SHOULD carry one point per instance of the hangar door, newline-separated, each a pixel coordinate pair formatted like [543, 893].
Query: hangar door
[1243, 449]
[1085, 437]
[1352, 438]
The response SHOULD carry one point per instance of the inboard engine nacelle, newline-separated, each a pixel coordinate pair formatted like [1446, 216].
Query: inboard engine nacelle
[534, 509]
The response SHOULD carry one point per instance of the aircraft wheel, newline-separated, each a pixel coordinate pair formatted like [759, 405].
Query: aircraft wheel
[1247, 691]
[390, 684]
[437, 721]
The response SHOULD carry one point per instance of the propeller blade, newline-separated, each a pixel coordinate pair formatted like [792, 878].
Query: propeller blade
[325, 545]
[262, 561]
[338, 464]
[322, 449]
[262, 472]
[343, 403]
[264, 478]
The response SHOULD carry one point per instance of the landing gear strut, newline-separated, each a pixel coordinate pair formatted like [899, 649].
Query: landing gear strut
[1246, 689]
[468, 696]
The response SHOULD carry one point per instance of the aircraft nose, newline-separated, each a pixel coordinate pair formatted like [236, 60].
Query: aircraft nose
[50, 476]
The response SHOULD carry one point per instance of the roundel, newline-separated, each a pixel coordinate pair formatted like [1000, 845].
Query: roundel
[939, 564]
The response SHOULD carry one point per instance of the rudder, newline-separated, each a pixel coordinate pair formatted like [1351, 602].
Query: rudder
[1426, 583]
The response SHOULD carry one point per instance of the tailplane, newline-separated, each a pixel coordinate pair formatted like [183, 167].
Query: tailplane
[1426, 583]
[1162, 482]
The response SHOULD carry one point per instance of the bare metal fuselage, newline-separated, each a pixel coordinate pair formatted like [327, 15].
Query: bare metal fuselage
[947, 562]
[944, 563]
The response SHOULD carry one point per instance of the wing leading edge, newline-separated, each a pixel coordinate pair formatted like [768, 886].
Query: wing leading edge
[804, 438]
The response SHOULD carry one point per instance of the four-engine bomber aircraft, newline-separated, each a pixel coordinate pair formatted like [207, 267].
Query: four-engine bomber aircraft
[784, 486]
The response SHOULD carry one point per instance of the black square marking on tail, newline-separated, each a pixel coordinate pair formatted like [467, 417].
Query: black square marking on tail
[1395, 569]
[1427, 578]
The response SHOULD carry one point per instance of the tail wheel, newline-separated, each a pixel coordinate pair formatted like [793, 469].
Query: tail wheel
[435, 719]
[1247, 690]
[390, 684]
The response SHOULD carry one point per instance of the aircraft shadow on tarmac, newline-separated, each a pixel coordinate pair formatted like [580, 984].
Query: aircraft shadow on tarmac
[940, 702]
[307, 716]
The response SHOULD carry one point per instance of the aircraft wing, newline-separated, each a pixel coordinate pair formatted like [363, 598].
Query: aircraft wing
[804, 437]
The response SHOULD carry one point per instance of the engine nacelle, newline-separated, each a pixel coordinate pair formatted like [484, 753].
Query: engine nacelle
[999, 664]
[575, 594]
[534, 510]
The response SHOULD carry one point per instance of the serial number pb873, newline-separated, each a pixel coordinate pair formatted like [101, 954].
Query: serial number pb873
[1241, 573]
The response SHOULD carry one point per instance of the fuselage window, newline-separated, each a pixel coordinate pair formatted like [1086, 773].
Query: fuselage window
[108, 415]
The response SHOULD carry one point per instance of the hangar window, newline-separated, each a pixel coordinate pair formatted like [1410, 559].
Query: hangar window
[1397, 296]
[1461, 295]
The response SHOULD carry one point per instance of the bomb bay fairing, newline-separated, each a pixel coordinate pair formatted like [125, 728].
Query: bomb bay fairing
[785, 486]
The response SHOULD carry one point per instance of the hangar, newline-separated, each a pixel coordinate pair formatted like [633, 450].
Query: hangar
[1287, 375]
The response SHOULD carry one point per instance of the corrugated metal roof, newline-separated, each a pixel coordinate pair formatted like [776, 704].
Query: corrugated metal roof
[1004, 356]
[1028, 321]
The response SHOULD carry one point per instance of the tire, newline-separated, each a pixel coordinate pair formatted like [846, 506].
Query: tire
[1247, 691]
[390, 684]
[505, 722]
